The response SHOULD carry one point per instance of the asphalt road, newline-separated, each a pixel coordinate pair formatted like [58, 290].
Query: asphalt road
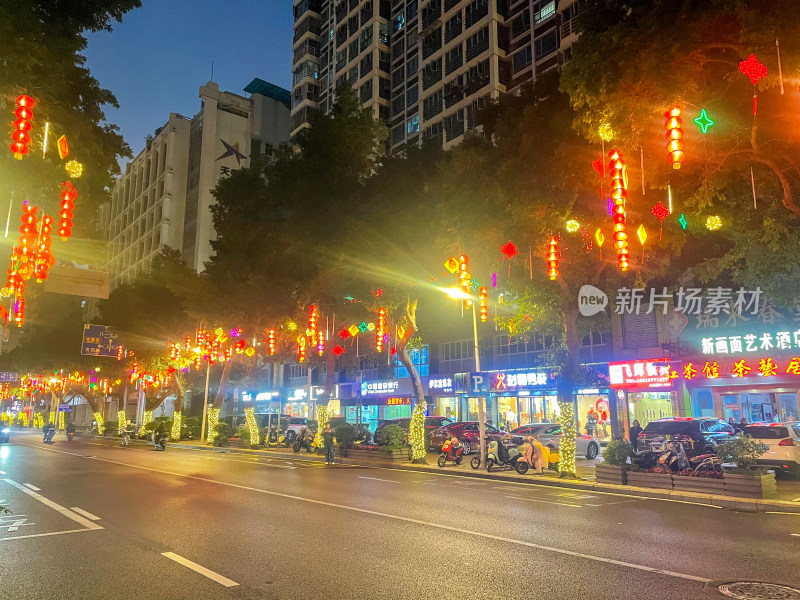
[91, 519]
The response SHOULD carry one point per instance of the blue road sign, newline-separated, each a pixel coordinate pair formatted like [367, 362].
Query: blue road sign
[98, 340]
[9, 377]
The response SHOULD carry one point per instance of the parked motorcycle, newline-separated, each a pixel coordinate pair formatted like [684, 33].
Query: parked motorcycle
[507, 458]
[308, 444]
[673, 456]
[451, 453]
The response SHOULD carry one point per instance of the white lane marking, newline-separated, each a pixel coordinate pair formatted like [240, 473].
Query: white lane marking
[3, 473]
[85, 513]
[794, 500]
[34, 535]
[14, 522]
[795, 534]
[778, 512]
[57, 507]
[200, 569]
[479, 534]
[620, 502]
[30, 486]
[544, 501]
[378, 479]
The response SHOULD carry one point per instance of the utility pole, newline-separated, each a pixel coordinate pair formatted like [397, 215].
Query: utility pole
[481, 399]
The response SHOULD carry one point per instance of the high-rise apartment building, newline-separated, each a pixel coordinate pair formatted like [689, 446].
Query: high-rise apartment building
[164, 198]
[425, 66]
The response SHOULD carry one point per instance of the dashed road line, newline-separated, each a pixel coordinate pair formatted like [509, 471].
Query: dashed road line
[55, 506]
[200, 569]
[544, 501]
[378, 479]
[85, 513]
[30, 486]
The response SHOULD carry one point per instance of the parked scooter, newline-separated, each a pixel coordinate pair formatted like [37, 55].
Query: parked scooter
[160, 440]
[451, 452]
[306, 440]
[500, 456]
[673, 456]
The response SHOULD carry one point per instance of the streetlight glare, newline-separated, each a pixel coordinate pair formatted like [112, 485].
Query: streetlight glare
[456, 293]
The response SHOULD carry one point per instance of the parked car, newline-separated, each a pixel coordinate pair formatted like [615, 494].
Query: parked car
[295, 425]
[550, 434]
[467, 433]
[5, 435]
[700, 435]
[782, 441]
[431, 424]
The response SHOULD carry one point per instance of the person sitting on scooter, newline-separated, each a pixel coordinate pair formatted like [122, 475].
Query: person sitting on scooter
[454, 446]
[49, 431]
[70, 429]
[159, 433]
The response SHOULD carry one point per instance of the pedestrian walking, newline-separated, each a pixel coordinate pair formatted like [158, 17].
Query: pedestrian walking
[327, 441]
[634, 432]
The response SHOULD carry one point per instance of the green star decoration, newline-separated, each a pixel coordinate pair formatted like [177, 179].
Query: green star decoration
[683, 221]
[363, 327]
[703, 121]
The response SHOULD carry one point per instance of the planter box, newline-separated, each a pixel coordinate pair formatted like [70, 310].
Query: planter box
[750, 486]
[701, 485]
[659, 481]
[611, 474]
[357, 454]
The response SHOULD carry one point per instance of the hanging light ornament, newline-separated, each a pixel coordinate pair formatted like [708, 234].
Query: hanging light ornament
[20, 136]
[301, 348]
[675, 144]
[380, 330]
[755, 71]
[619, 192]
[484, 303]
[320, 342]
[43, 258]
[465, 279]
[661, 212]
[641, 233]
[19, 311]
[271, 342]
[552, 259]
[26, 244]
[74, 169]
[600, 237]
[313, 317]
[68, 196]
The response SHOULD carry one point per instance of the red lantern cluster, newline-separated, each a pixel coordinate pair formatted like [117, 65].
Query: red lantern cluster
[20, 136]
[552, 259]
[619, 193]
[15, 282]
[313, 318]
[301, 348]
[42, 257]
[68, 195]
[380, 330]
[484, 303]
[320, 342]
[19, 311]
[26, 243]
[465, 279]
[675, 144]
[271, 342]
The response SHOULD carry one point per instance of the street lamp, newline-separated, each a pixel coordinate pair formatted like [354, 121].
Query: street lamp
[460, 294]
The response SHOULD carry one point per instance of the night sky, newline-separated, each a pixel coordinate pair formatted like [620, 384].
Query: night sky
[158, 57]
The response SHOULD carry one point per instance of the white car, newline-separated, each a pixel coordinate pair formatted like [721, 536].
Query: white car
[782, 441]
[550, 434]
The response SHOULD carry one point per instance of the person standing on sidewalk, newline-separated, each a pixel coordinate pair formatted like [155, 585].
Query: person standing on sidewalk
[634, 432]
[327, 441]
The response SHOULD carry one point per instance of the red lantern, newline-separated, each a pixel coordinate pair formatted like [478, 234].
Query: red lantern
[484, 303]
[320, 342]
[380, 330]
[301, 348]
[675, 143]
[465, 279]
[20, 136]
[19, 311]
[68, 196]
[313, 316]
[619, 192]
[271, 342]
[552, 259]
[755, 71]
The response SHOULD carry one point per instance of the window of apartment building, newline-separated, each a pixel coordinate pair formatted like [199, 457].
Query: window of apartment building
[385, 88]
[477, 43]
[398, 48]
[596, 338]
[456, 350]
[432, 105]
[412, 65]
[383, 113]
[448, 4]
[431, 42]
[366, 91]
[398, 134]
[398, 76]
[477, 76]
[352, 51]
[521, 23]
[341, 35]
[547, 44]
[383, 61]
[452, 28]
[412, 95]
[398, 104]
[341, 10]
[411, 38]
[454, 125]
[398, 22]
[353, 76]
[453, 59]
[412, 125]
[366, 64]
[365, 38]
[411, 10]
[522, 59]
[475, 11]
[431, 73]
[367, 11]
[430, 12]
[505, 345]
[352, 25]
[543, 10]
[383, 34]
[341, 59]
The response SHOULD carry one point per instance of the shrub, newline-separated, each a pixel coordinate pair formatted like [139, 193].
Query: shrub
[345, 434]
[391, 436]
[363, 434]
[743, 452]
[337, 422]
[191, 428]
[617, 452]
[243, 433]
[111, 428]
[222, 434]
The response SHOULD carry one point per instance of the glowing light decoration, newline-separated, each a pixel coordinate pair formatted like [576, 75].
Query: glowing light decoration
[704, 122]
[63, 147]
[101, 424]
[552, 259]
[465, 278]
[61, 420]
[213, 421]
[337, 350]
[252, 426]
[344, 334]
[509, 250]
[313, 317]
[66, 214]
[682, 220]
[573, 226]
[74, 169]
[301, 348]
[320, 342]
[20, 136]
[755, 72]
[148, 418]
[121, 418]
[567, 465]
[641, 233]
[19, 311]
[177, 426]
[675, 144]
[353, 330]
[605, 132]
[483, 303]
[600, 238]
[452, 265]
[380, 329]
[416, 433]
[713, 223]
[322, 420]
[619, 193]
[271, 342]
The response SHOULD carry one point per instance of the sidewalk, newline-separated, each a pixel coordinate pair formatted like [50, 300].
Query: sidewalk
[783, 502]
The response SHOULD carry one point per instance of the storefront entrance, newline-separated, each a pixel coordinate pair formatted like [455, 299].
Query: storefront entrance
[649, 406]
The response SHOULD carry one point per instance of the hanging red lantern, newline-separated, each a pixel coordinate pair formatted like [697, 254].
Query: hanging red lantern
[484, 303]
[552, 259]
[19, 311]
[619, 192]
[313, 317]
[20, 136]
[380, 330]
[68, 196]
[301, 348]
[755, 71]
[271, 342]
[320, 342]
[26, 245]
[675, 144]
[465, 279]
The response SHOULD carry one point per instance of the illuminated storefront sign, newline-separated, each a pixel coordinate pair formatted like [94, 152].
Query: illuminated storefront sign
[752, 342]
[379, 388]
[443, 384]
[656, 373]
[764, 366]
[502, 381]
[397, 401]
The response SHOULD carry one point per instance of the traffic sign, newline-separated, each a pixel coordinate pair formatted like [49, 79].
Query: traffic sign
[98, 340]
[9, 377]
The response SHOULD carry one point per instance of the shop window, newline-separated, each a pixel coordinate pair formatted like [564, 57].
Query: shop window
[419, 358]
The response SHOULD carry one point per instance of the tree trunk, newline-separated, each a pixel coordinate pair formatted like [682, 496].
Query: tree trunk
[566, 387]
[223, 386]
[416, 429]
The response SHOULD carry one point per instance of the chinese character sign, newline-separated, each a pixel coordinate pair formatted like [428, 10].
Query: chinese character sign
[655, 373]
[709, 304]
[751, 342]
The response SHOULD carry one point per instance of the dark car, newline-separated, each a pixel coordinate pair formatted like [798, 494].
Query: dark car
[431, 424]
[700, 435]
[468, 434]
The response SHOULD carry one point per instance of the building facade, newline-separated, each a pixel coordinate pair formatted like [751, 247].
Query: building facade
[425, 67]
[164, 198]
